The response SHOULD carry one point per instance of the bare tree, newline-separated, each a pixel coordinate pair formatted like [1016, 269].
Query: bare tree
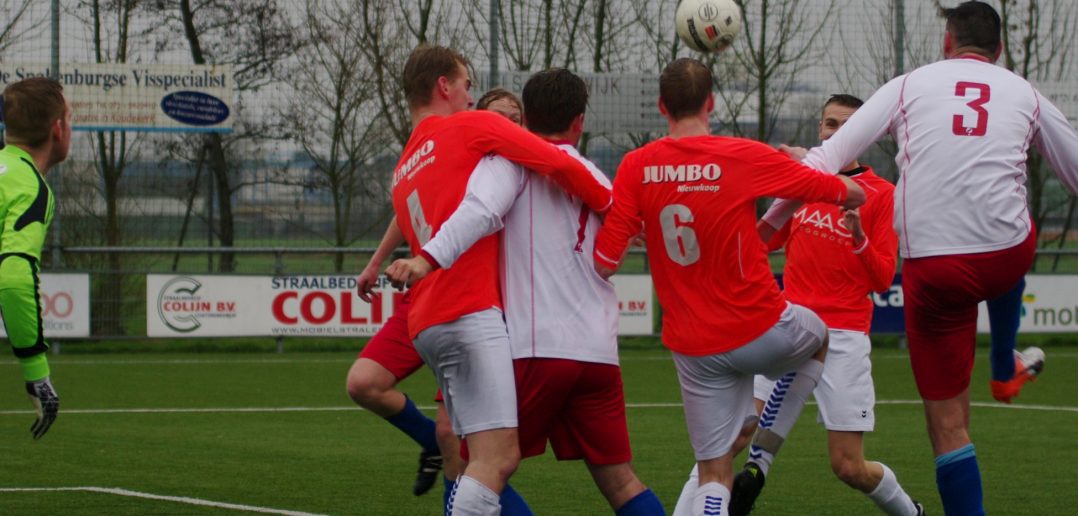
[110, 24]
[338, 124]
[255, 37]
[387, 34]
[535, 34]
[18, 23]
[1038, 39]
[780, 40]
[876, 42]
[867, 53]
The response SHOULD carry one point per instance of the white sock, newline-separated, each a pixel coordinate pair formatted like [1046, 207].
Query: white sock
[684, 502]
[890, 497]
[781, 411]
[712, 499]
[472, 498]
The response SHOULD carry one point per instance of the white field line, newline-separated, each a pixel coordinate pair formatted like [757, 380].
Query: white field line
[227, 410]
[61, 360]
[192, 361]
[177, 499]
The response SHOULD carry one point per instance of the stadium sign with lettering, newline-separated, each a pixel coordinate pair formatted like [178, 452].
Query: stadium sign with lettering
[139, 96]
[636, 307]
[206, 306]
[65, 306]
[302, 306]
[1048, 305]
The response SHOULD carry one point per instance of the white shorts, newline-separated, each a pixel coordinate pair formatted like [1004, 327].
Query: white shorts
[845, 395]
[717, 389]
[474, 368]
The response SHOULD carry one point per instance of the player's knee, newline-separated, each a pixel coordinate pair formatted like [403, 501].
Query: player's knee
[948, 434]
[617, 482]
[506, 462]
[443, 432]
[363, 388]
[849, 471]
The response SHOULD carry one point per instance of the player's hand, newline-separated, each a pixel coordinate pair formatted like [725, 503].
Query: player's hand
[852, 218]
[604, 271]
[855, 195]
[795, 153]
[46, 403]
[365, 283]
[640, 240]
[404, 272]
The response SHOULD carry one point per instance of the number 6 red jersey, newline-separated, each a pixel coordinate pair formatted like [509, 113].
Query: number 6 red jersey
[696, 199]
[429, 182]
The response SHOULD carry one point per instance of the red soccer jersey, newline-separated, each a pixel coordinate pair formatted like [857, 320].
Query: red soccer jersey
[822, 270]
[430, 181]
[696, 200]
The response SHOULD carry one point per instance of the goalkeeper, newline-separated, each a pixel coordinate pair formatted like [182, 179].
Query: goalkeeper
[37, 131]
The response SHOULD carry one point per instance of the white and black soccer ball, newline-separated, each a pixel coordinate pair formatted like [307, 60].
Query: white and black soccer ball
[708, 25]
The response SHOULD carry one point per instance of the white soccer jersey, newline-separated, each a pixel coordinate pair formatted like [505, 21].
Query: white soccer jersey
[556, 305]
[963, 127]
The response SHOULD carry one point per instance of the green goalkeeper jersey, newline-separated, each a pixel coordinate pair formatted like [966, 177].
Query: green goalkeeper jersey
[26, 204]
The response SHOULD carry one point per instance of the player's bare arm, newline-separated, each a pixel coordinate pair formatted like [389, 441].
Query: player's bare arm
[368, 279]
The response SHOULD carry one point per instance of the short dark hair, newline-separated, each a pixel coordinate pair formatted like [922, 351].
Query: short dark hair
[553, 99]
[844, 100]
[684, 87]
[30, 107]
[424, 66]
[498, 93]
[974, 24]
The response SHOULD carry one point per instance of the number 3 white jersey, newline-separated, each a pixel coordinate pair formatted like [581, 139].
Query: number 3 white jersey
[556, 305]
[963, 127]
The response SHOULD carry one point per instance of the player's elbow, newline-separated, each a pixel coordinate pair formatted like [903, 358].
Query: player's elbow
[603, 271]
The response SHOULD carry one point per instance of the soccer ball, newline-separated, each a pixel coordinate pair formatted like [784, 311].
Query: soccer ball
[708, 25]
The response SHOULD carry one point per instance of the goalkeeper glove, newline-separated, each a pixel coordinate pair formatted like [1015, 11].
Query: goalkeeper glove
[46, 404]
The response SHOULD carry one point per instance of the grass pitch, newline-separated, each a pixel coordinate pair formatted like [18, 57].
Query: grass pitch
[219, 433]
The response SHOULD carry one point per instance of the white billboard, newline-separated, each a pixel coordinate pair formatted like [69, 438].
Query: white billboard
[65, 305]
[636, 305]
[139, 96]
[313, 305]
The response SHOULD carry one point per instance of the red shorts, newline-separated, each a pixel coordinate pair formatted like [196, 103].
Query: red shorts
[578, 406]
[391, 347]
[941, 296]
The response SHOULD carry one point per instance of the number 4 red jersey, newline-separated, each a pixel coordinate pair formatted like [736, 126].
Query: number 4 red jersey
[696, 199]
[430, 181]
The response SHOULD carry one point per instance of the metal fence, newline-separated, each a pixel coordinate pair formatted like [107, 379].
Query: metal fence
[320, 118]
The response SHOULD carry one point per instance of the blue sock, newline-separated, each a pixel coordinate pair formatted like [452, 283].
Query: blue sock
[419, 427]
[643, 504]
[513, 504]
[445, 495]
[958, 479]
[1004, 316]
